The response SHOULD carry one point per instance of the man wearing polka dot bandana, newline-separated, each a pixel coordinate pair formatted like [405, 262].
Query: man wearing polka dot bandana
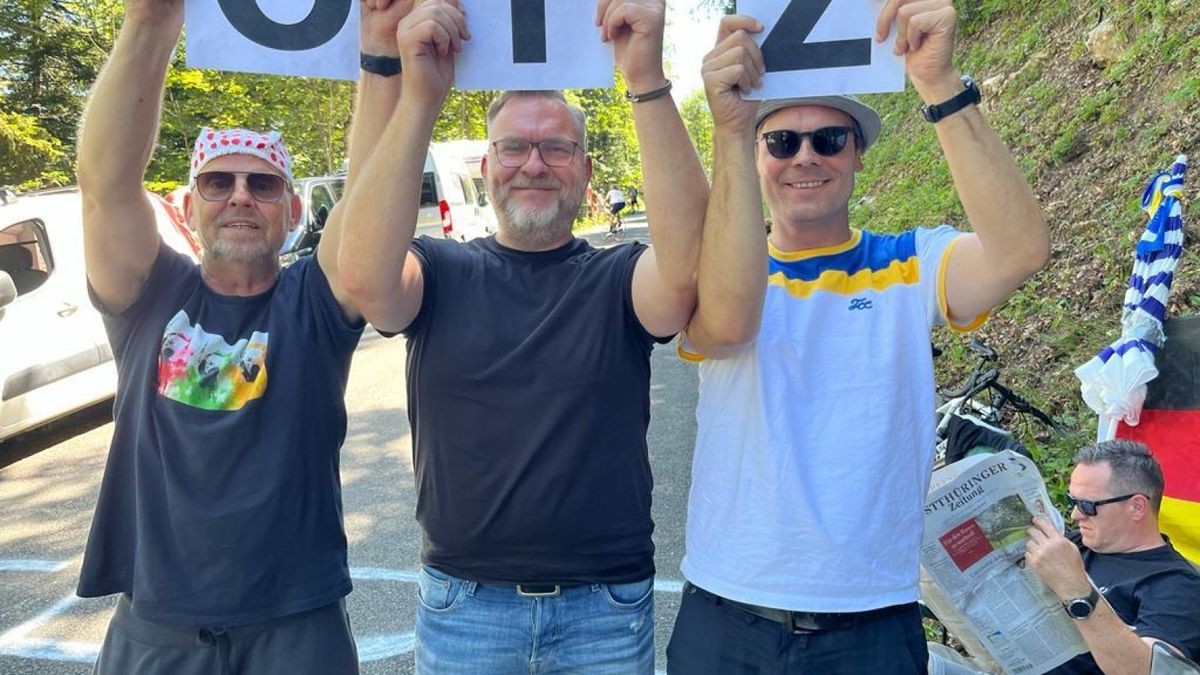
[219, 520]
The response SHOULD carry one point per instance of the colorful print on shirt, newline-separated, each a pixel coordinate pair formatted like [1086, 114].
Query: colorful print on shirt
[199, 369]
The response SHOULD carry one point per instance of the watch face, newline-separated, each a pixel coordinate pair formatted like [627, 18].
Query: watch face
[1080, 608]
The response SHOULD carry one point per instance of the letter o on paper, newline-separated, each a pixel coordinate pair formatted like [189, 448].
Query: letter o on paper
[320, 26]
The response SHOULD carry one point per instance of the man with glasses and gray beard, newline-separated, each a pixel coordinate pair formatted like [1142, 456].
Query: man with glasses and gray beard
[219, 520]
[528, 360]
[815, 437]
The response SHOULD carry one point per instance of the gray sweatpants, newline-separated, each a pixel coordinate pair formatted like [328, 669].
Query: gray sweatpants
[316, 642]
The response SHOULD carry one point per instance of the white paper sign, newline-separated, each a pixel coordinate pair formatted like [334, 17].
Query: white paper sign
[554, 45]
[819, 47]
[318, 38]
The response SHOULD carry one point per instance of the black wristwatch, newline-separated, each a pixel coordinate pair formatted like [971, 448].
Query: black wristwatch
[380, 65]
[1082, 608]
[962, 99]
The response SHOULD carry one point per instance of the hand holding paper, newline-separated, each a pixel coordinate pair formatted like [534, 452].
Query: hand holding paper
[733, 67]
[925, 38]
[635, 28]
[429, 38]
[379, 20]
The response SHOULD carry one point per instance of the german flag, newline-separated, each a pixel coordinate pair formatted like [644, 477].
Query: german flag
[1170, 426]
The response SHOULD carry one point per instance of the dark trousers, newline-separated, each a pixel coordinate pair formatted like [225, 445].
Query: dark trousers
[316, 642]
[714, 637]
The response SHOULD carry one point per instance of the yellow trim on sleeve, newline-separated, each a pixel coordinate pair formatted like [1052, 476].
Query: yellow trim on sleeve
[685, 354]
[941, 293]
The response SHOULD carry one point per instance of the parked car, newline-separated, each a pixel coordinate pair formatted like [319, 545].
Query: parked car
[54, 354]
[450, 205]
[317, 196]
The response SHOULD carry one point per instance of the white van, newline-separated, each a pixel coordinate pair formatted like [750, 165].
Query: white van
[472, 153]
[451, 207]
[54, 353]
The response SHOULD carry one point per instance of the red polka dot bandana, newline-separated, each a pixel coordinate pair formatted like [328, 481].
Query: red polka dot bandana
[212, 143]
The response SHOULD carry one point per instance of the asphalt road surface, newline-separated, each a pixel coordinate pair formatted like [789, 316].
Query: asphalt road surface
[49, 481]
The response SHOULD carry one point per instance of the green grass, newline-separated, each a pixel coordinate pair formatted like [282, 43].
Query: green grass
[1088, 139]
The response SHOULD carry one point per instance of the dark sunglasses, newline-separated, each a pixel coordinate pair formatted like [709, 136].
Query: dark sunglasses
[217, 186]
[1088, 507]
[826, 141]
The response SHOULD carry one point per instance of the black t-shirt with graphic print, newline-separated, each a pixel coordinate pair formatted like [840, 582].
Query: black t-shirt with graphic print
[221, 500]
[1155, 592]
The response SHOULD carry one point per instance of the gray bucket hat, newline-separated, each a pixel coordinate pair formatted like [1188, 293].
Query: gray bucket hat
[866, 117]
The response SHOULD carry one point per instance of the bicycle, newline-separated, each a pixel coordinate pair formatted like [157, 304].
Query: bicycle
[983, 401]
[616, 225]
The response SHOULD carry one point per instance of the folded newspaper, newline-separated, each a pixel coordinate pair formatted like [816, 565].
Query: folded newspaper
[977, 514]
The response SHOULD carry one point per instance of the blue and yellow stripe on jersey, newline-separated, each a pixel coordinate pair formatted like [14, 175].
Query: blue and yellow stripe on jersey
[867, 261]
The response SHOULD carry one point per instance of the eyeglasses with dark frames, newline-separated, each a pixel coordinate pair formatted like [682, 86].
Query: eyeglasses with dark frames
[514, 152]
[217, 186]
[1088, 506]
[826, 141]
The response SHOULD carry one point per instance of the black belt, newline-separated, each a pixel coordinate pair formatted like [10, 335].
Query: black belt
[805, 622]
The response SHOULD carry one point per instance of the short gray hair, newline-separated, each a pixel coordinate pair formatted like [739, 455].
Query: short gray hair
[576, 113]
[1134, 469]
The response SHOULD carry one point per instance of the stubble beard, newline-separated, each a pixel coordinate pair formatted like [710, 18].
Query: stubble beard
[241, 252]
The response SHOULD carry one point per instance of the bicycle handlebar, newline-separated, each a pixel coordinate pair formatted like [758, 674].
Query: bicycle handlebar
[1020, 405]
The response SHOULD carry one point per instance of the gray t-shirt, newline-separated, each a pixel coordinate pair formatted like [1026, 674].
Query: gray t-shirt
[221, 500]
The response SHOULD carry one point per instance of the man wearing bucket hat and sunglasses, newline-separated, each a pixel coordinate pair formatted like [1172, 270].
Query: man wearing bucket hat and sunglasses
[219, 520]
[815, 437]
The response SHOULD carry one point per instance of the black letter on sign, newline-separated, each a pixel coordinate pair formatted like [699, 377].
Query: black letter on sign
[785, 48]
[322, 23]
[529, 31]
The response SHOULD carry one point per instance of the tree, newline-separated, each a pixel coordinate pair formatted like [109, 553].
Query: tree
[612, 138]
[698, 120]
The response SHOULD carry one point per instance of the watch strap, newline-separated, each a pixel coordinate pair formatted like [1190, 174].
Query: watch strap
[940, 111]
[386, 66]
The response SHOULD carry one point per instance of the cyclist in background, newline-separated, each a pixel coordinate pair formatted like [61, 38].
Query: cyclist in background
[616, 202]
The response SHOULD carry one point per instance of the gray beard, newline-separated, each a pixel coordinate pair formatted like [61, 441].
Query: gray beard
[223, 249]
[539, 229]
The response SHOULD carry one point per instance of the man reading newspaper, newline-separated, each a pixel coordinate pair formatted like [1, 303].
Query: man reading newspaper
[1118, 578]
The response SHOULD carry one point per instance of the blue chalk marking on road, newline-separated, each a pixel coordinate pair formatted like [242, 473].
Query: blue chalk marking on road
[380, 647]
[667, 586]
[382, 574]
[16, 565]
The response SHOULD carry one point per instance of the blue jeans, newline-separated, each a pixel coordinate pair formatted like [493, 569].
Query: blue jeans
[465, 627]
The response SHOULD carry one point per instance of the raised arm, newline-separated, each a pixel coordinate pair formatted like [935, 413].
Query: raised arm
[676, 189]
[377, 96]
[1010, 241]
[379, 212]
[733, 255]
[116, 139]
